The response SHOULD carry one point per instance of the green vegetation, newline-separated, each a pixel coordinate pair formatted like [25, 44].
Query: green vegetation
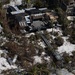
[62, 18]
[47, 35]
[39, 69]
[38, 3]
[52, 4]
[72, 37]
[59, 41]
[0, 5]
[66, 57]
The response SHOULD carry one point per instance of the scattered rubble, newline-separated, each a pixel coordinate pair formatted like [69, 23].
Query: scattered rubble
[63, 72]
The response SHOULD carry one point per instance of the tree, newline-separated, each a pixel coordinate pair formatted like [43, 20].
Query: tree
[72, 35]
[52, 3]
[66, 1]
[38, 3]
[62, 19]
[0, 5]
[39, 69]
[59, 41]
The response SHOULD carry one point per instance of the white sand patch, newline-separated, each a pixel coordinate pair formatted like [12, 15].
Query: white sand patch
[37, 59]
[63, 72]
[4, 65]
[66, 47]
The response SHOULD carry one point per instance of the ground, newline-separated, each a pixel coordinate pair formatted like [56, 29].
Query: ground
[30, 50]
[27, 54]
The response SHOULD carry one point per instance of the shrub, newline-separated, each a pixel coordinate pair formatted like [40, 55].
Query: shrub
[54, 33]
[53, 45]
[62, 18]
[72, 41]
[0, 5]
[59, 41]
[66, 57]
[72, 37]
[38, 3]
[67, 31]
[47, 35]
[50, 24]
[39, 69]
[32, 38]
[37, 36]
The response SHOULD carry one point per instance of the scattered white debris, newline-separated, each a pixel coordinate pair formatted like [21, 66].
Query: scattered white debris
[66, 47]
[17, 12]
[1, 51]
[55, 30]
[15, 58]
[47, 58]
[18, 2]
[42, 44]
[4, 65]
[5, 6]
[42, 8]
[30, 8]
[73, 71]
[63, 72]
[3, 40]
[12, 3]
[43, 53]
[49, 30]
[28, 35]
[70, 18]
[37, 59]
[27, 18]
[1, 28]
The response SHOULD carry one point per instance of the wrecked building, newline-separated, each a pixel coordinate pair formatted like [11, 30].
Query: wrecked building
[28, 19]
